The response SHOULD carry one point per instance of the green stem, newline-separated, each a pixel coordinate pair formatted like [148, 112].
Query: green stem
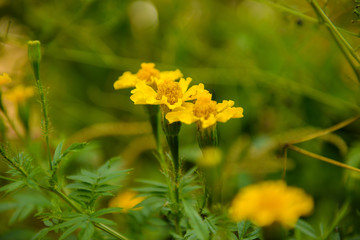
[302, 15]
[12, 125]
[344, 46]
[46, 119]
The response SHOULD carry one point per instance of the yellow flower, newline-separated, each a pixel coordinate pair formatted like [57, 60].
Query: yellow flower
[147, 74]
[127, 201]
[4, 79]
[19, 94]
[205, 111]
[211, 156]
[170, 93]
[271, 202]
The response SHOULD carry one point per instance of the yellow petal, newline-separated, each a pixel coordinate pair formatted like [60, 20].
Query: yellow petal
[4, 79]
[225, 104]
[144, 94]
[205, 123]
[184, 84]
[228, 113]
[194, 92]
[181, 114]
[171, 75]
[127, 80]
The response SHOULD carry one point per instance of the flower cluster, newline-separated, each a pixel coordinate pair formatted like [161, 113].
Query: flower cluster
[271, 202]
[17, 94]
[178, 101]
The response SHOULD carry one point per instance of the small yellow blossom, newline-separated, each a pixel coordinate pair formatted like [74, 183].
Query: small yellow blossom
[170, 93]
[271, 202]
[19, 94]
[127, 201]
[147, 74]
[205, 111]
[4, 79]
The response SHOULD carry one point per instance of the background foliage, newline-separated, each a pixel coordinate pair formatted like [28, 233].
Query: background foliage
[286, 72]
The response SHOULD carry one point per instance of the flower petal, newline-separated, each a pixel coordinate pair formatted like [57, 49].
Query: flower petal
[194, 92]
[205, 123]
[184, 84]
[234, 112]
[181, 114]
[127, 80]
[171, 75]
[144, 94]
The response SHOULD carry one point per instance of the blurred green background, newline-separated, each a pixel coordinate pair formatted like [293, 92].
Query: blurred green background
[287, 73]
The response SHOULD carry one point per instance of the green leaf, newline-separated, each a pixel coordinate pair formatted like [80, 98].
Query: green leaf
[306, 228]
[87, 232]
[73, 221]
[196, 222]
[242, 227]
[254, 234]
[106, 211]
[12, 186]
[74, 147]
[70, 230]
[57, 155]
[102, 220]
[81, 178]
[41, 234]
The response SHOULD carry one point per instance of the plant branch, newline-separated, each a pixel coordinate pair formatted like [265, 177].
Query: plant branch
[302, 15]
[344, 46]
[322, 158]
[325, 131]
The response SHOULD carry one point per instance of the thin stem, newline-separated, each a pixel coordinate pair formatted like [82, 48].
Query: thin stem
[7, 179]
[284, 163]
[110, 231]
[46, 120]
[322, 158]
[19, 168]
[302, 15]
[7, 30]
[12, 125]
[344, 46]
[325, 131]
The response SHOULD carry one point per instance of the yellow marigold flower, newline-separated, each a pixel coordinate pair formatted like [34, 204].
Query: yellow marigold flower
[19, 94]
[4, 79]
[147, 74]
[127, 201]
[205, 111]
[170, 93]
[271, 202]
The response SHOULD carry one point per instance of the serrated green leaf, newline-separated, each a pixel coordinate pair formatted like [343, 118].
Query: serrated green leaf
[155, 183]
[102, 220]
[70, 222]
[74, 147]
[12, 186]
[48, 223]
[41, 234]
[106, 211]
[81, 178]
[87, 232]
[242, 227]
[200, 228]
[254, 234]
[306, 228]
[114, 175]
[57, 154]
[105, 188]
[80, 185]
[70, 230]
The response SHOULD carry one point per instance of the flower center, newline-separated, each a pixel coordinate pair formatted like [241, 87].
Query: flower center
[204, 107]
[148, 71]
[171, 90]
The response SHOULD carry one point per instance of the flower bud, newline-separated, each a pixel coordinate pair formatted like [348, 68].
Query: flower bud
[34, 54]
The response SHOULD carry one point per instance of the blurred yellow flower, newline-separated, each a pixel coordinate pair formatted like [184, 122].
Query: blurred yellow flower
[4, 79]
[271, 202]
[205, 111]
[211, 156]
[19, 94]
[170, 93]
[127, 201]
[147, 74]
